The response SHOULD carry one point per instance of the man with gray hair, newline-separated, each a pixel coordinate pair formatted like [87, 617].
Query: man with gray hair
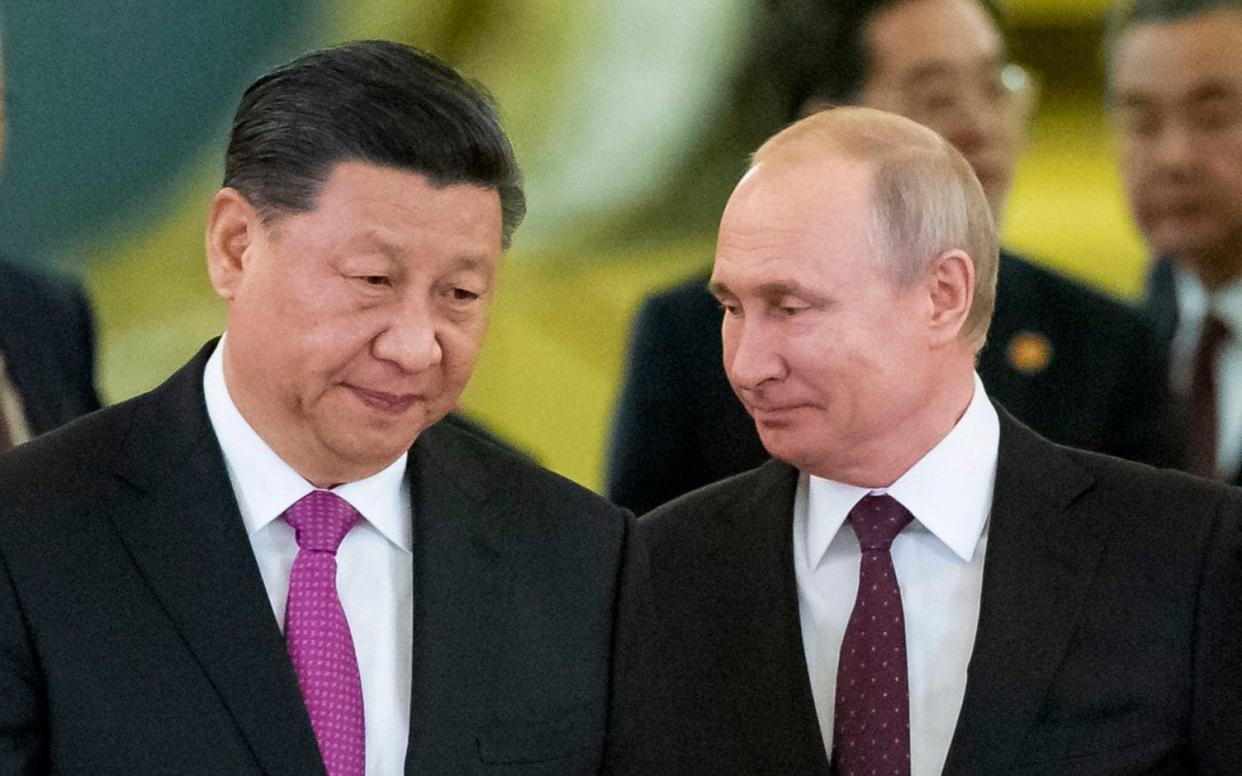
[1075, 365]
[918, 583]
[1175, 89]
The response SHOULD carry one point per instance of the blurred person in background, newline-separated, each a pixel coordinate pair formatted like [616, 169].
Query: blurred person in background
[1175, 93]
[280, 561]
[47, 348]
[1077, 366]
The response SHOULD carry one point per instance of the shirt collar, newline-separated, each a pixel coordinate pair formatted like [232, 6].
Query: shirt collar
[1194, 302]
[266, 486]
[949, 490]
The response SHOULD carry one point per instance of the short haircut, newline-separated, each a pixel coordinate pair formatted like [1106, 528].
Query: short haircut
[925, 197]
[370, 101]
[816, 49]
[1128, 13]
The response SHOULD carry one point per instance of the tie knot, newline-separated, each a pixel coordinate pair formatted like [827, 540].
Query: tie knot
[1215, 331]
[877, 519]
[321, 519]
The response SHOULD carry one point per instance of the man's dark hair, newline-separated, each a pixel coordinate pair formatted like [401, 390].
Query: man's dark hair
[817, 48]
[371, 101]
[1128, 13]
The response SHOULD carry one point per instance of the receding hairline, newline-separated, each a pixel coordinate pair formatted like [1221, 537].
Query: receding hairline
[859, 134]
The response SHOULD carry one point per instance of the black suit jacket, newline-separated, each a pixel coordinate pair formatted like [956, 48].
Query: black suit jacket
[1103, 386]
[136, 636]
[1107, 643]
[48, 341]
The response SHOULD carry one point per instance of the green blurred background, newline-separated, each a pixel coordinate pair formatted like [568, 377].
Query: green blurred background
[631, 118]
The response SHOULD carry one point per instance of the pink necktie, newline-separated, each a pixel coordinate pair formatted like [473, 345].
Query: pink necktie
[871, 724]
[317, 633]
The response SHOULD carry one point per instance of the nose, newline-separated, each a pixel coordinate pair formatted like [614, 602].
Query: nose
[752, 357]
[410, 337]
[1174, 147]
[979, 123]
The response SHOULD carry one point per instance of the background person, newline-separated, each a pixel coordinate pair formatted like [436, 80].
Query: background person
[1175, 90]
[47, 348]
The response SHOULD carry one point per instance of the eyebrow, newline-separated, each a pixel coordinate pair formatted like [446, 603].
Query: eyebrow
[1211, 90]
[372, 240]
[775, 289]
[1203, 92]
[933, 70]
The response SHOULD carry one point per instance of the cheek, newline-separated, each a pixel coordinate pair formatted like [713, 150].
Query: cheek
[460, 345]
[1229, 170]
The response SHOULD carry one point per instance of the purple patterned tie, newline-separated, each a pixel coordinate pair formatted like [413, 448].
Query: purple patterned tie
[871, 722]
[317, 633]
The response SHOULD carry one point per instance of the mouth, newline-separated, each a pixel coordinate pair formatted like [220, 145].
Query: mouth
[769, 415]
[388, 403]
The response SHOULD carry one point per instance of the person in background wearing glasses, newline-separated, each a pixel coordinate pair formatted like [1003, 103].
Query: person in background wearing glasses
[1175, 92]
[1075, 365]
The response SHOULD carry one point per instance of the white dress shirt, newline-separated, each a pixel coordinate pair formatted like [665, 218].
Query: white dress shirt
[1193, 304]
[374, 563]
[939, 564]
[12, 410]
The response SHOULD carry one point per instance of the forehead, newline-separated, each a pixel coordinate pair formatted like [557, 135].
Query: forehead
[794, 219]
[926, 34]
[1170, 60]
[395, 211]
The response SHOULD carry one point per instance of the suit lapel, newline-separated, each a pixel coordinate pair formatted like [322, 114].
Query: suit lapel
[1161, 301]
[764, 662]
[463, 580]
[1039, 565]
[186, 535]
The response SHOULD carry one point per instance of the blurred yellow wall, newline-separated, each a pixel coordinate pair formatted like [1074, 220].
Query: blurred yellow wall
[549, 372]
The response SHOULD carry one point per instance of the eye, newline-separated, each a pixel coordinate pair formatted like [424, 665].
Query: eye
[729, 308]
[379, 281]
[463, 295]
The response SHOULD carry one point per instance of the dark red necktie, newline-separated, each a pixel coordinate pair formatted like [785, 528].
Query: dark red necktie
[871, 722]
[1201, 411]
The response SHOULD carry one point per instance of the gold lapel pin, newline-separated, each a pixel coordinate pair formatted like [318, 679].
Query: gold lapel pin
[1029, 352]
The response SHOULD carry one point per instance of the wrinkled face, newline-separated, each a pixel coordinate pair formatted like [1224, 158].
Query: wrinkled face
[939, 62]
[1177, 105]
[354, 326]
[825, 352]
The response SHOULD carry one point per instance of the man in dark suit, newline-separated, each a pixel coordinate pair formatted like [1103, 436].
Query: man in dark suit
[1175, 88]
[918, 583]
[1075, 365]
[47, 349]
[278, 562]
[47, 353]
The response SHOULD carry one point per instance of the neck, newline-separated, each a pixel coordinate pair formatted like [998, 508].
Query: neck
[1217, 269]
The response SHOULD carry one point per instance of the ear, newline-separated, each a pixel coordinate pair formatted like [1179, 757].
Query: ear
[951, 288]
[233, 228]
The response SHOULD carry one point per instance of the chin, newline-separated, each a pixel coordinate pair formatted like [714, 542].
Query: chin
[786, 450]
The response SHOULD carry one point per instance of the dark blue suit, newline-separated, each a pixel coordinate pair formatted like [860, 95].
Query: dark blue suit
[1075, 365]
[48, 341]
